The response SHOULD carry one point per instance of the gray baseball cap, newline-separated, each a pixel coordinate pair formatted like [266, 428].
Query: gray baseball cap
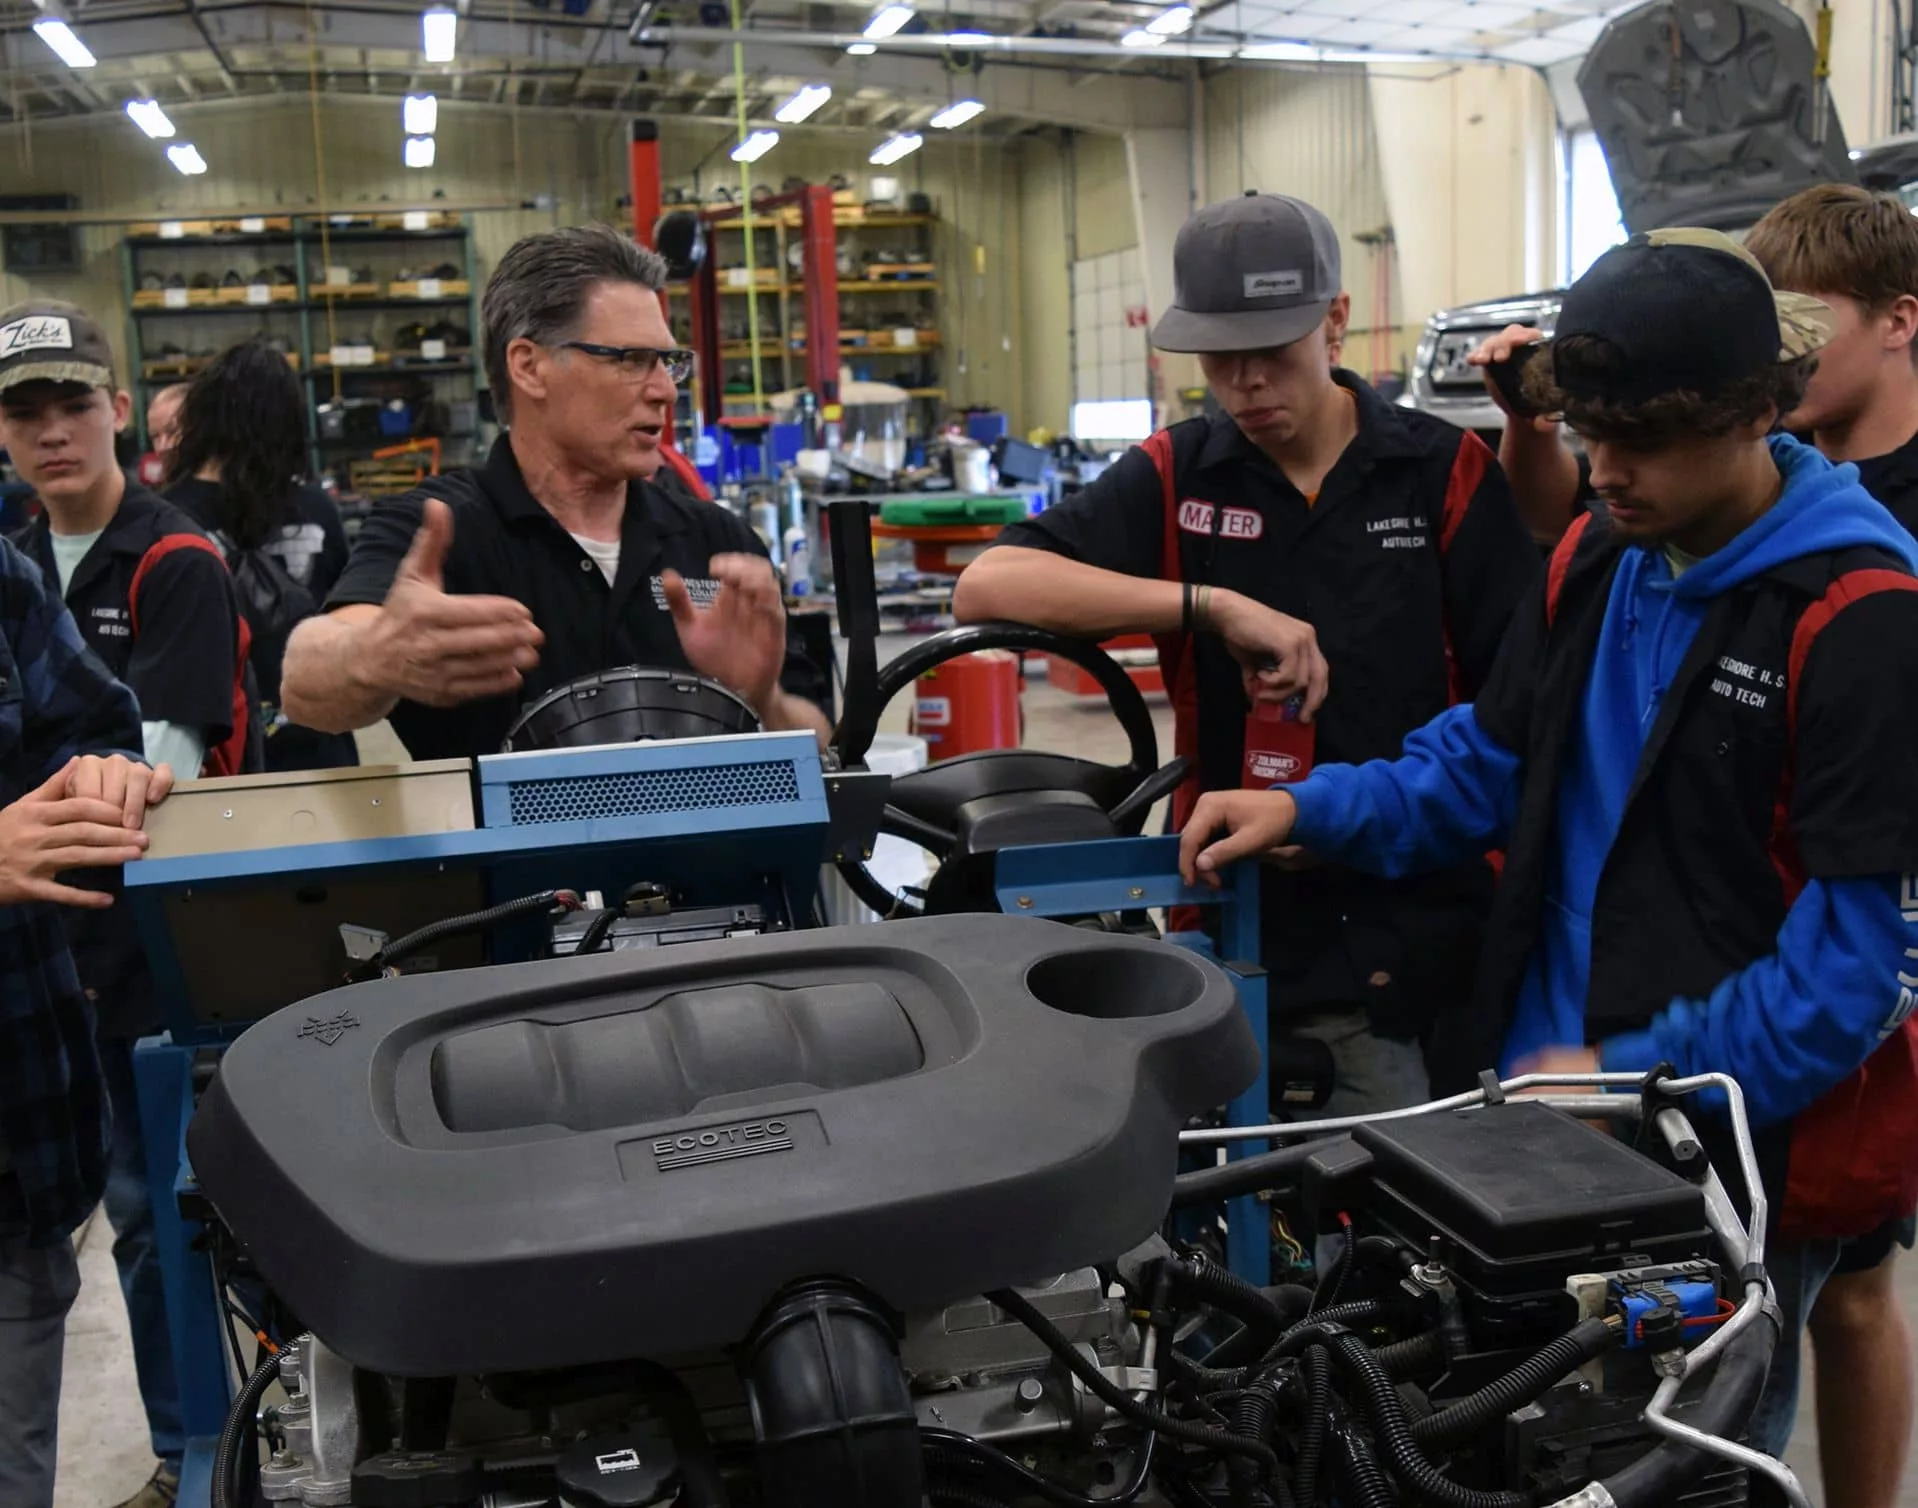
[1250, 273]
[48, 341]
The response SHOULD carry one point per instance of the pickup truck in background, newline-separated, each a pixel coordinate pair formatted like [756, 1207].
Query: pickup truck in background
[1737, 126]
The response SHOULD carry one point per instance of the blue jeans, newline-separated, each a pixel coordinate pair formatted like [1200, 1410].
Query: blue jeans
[37, 1287]
[129, 1209]
[1797, 1273]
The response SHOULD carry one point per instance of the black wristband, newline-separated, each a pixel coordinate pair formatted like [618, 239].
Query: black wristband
[1185, 618]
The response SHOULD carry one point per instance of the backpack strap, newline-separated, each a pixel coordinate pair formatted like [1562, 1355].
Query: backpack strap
[229, 756]
[1561, 563]
[1846, 588]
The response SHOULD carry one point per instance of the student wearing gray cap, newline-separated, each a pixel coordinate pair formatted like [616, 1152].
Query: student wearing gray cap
[1324, 573]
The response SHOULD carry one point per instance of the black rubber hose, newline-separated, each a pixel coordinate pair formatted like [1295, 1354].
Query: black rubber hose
[1410, 1358]
[1327, 1323]
[1258, 1405]
[1204, 1378]
[236, 1435]
[1660, 1477]
[701, 1485]
[1459, 1422]
[1380, 1251]
[1248, 1175]
[452, 926]
[1264, 1313]
[1117, 1399]
[1386, 1412]
[1331, 1285]
[598, 929]
[1318, 1412]
[1365, 1482]
[940, 1443]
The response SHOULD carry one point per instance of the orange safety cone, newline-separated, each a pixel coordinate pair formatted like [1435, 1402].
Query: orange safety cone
[970, 703]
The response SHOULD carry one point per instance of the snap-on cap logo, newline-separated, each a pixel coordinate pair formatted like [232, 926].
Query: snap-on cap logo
[710, 1144]
[1286, 284]
[1272, 764]
[1195, 517]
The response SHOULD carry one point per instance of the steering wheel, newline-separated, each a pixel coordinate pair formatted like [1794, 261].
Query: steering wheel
[960, 807]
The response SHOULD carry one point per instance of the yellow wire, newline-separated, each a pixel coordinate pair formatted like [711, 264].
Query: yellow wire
[746, 218]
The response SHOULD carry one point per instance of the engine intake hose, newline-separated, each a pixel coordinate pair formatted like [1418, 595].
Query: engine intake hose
[1660, 1477]
[1457, 1423]
[1264, 1314]
[833, 1422]
[1386, 1411]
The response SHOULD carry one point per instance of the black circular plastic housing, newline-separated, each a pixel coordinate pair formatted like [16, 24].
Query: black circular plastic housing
[618, 1471]
[630, 705]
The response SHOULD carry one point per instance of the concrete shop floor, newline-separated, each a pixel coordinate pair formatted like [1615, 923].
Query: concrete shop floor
[103, 1442]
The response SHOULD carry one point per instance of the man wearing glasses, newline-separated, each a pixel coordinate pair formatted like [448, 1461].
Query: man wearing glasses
[578, 546]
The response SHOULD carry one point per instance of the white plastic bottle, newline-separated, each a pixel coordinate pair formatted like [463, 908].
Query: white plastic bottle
[798, 552]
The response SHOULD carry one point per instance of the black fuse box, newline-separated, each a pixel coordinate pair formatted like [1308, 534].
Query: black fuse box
[1522, 1196]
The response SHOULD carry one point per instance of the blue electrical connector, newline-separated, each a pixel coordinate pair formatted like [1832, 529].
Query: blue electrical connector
[1666, 1308]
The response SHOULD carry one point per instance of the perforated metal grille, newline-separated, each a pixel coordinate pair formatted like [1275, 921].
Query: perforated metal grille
[641, 793]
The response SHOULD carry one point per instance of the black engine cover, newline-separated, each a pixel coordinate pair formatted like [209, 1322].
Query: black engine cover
[628, 1155]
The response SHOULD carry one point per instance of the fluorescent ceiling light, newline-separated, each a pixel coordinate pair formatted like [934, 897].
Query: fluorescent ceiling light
[893, 148]
[186, 157]
[420, 151]
[1139, 37]
[887, 20]
[957, 115]
[803, 104]
[439, 33]
[150, 118]
[420, 114]
[1171, 22]
[861, 50]
[967, 38]
[66, 46]
[755, 146]
[1304, 52]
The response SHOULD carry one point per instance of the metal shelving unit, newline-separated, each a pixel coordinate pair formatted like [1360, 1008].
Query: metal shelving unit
[308, 315]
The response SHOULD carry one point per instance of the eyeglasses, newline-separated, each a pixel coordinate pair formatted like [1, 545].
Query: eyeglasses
[637, 363]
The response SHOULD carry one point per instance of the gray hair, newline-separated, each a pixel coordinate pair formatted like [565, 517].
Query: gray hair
[542, 283]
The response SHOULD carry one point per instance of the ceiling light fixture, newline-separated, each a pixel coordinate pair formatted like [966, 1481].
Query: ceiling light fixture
[150, 118]
[803, 104]
[66, 46]
[186, 157]
[1169, 23]
[1139, 37]
[861, 50]
[420, 114]
[887, 20]
[755, 146]
[420, 151]
[439, 34]
[893, 148]
[957, 115]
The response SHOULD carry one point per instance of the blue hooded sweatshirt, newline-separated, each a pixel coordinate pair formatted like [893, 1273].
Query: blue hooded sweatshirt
[1790, 1025]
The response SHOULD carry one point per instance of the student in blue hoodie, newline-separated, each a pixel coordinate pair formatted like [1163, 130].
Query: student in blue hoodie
[1695, 750]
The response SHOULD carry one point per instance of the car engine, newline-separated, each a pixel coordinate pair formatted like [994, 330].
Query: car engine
[881, 1217]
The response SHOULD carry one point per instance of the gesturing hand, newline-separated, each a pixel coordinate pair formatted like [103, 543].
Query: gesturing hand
[47, 831]
[120, 782]
[740, 639]
[441, 650]
[1503, 347]
[1253, 821]
[1279, 656]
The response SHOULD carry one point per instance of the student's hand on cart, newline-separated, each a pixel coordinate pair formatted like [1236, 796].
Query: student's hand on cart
[1253, 822]
[127, 784]
[49, 830]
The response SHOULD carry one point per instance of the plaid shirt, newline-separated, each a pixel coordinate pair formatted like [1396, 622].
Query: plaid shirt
[56, 700]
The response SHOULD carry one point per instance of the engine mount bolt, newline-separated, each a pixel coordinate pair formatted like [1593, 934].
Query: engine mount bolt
[1137, 892]
[1029, 1393]
[1025, 903]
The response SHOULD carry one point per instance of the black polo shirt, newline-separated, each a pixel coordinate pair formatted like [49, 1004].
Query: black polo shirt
[180, 662]
[1408, 563]
[1892, 478]
[175, 644]
[506, 544]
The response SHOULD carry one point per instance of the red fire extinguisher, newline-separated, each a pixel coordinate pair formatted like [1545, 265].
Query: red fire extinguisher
[968, 704]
